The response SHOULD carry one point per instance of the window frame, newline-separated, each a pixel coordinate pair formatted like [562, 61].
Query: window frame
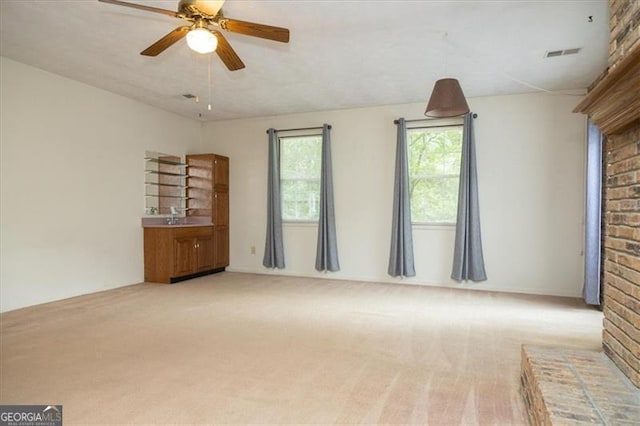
[286, 221]
[456, 122]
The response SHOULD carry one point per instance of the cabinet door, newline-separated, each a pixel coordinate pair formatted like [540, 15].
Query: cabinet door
[221, 173]
[220, 209]
[204, 253]
[183, 249]
[221, 253]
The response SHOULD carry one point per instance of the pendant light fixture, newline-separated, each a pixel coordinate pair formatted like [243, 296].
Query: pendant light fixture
[447, 99]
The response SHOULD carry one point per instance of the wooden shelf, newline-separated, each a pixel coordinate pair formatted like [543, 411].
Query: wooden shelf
[156, 172]
[164, 161]
[166, 196]
[166, 184]
[614, 103]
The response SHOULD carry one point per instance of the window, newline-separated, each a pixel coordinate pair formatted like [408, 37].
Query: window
[434, 172]
[300, 162]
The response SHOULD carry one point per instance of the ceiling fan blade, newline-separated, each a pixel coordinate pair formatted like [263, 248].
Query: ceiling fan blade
[227, 54]
[143, 7]
[159, 46]
[255, 30]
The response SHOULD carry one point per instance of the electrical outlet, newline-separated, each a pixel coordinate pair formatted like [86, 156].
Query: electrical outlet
[253, 249]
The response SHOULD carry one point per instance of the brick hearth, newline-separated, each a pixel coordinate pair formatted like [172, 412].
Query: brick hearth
[564, 386]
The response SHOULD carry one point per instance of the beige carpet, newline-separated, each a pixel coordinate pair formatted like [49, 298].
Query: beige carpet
[241, 348]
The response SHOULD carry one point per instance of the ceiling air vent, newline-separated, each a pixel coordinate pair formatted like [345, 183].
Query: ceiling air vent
[571, 51]
[554, 53]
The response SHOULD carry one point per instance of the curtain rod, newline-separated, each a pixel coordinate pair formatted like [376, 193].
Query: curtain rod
[474, 115]
[301, 128]
[433, 127]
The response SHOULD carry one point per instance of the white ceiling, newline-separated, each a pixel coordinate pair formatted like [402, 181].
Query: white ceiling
[342, 54]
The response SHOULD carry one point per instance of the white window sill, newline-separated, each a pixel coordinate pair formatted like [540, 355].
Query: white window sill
[434, 226]
[300, 223]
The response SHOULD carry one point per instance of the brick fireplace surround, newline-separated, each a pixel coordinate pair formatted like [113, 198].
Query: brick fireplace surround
[563, 386]
[621, 336]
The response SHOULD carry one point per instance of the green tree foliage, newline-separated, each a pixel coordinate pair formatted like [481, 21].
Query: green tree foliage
[434, 173]
[300, 163]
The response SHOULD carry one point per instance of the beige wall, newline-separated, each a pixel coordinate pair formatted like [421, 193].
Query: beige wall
[72, 193]
[72, 184]
[531, 167]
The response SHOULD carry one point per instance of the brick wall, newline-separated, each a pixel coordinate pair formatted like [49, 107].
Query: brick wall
[621, 276]
[621, 335]
[624, 28]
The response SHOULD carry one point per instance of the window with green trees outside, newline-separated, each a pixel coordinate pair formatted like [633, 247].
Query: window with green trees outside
[300, 162]
[434, 173]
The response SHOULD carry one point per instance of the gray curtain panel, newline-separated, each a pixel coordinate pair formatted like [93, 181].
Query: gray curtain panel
[327, 250]
[273, 247]
[401, 253]
[468, 262]
[593, 238]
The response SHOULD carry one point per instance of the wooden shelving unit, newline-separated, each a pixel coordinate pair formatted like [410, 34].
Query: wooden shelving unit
[165, 183]
[208, 195]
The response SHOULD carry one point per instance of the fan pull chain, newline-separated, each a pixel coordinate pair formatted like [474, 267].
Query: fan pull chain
[209, 106]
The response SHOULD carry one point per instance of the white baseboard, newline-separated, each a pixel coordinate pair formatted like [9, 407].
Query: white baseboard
[410, 281]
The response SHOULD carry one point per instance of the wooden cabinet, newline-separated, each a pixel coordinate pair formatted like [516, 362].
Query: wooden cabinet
[220, 216]
[183, 249]
[193, 254]
[208, 195]
[221, 173]
[221, 250]
[175, 253]
[204, 253]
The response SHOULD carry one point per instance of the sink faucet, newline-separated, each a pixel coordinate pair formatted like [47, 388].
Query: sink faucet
[173, 219]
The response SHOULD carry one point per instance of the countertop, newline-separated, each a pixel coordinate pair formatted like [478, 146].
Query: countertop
[182, 222]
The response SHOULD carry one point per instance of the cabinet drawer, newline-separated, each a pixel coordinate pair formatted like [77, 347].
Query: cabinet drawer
[192, 232]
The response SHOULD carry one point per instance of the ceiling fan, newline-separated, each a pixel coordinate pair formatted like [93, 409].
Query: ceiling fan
[205, 20]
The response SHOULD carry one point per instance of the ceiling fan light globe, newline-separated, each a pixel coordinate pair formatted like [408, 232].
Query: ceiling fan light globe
[202, 40]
